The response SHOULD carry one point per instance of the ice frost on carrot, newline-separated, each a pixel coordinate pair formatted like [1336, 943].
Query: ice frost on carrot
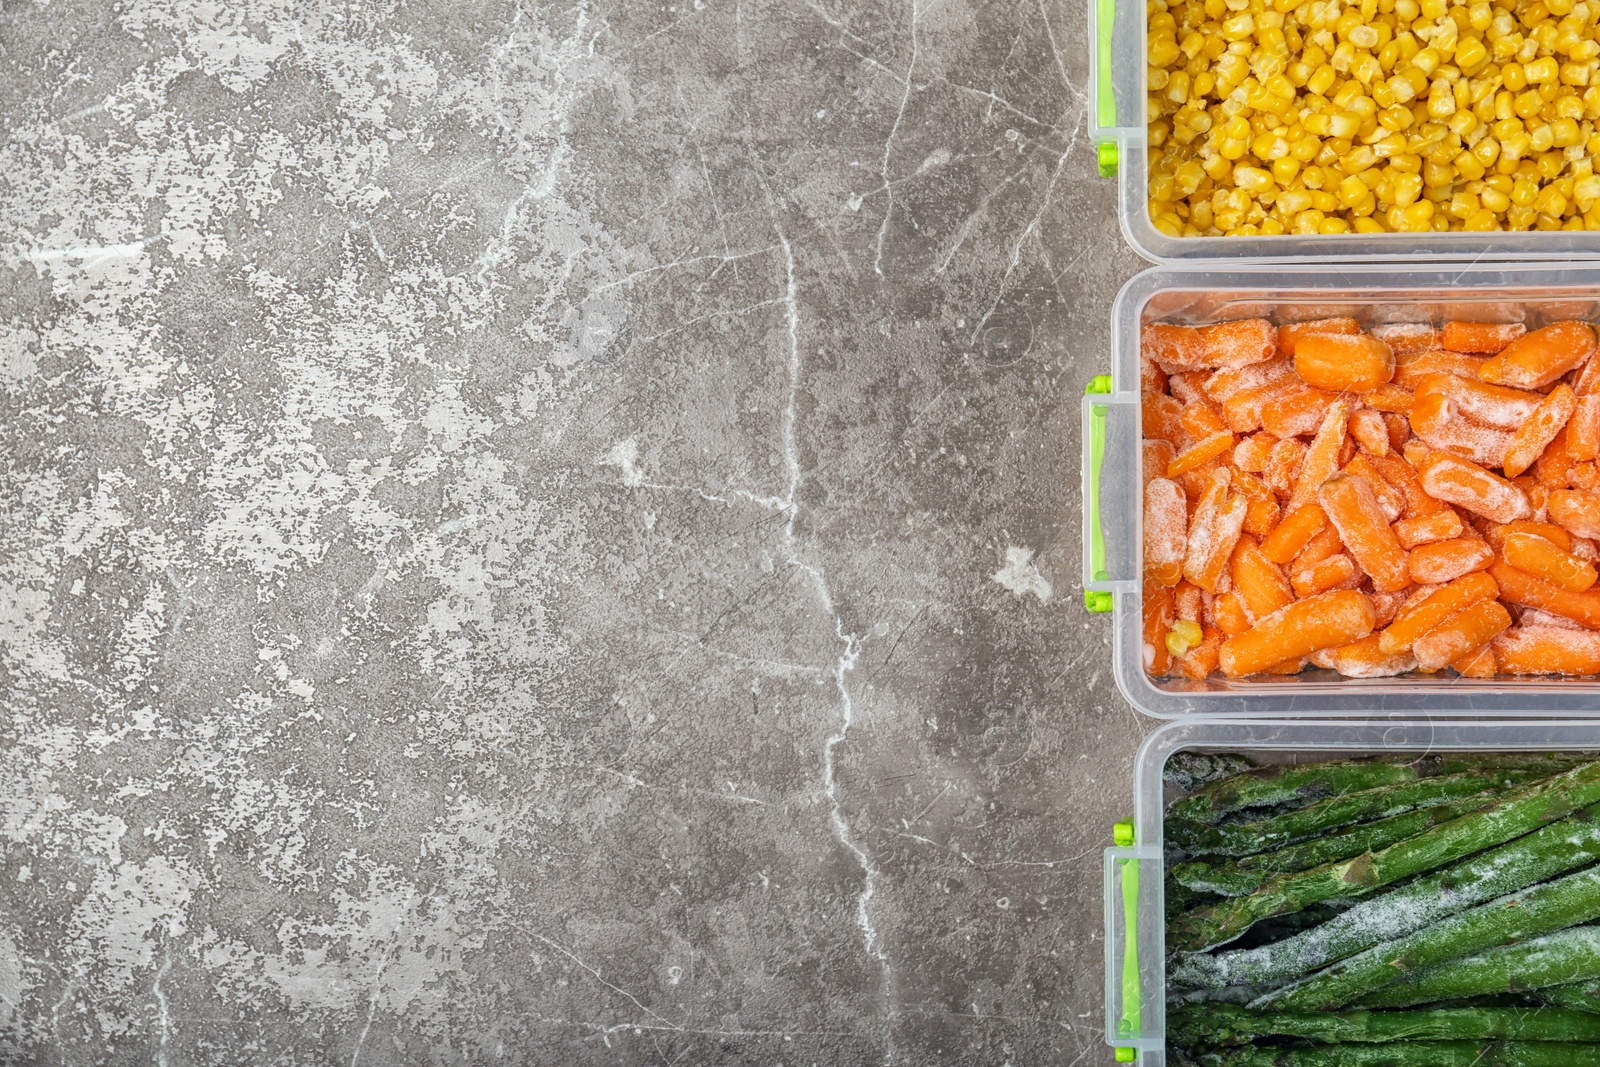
[1376, 501]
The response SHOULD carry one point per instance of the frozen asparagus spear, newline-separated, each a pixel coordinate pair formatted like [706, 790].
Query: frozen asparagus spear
[1408, 1053]
[1246, 875]
[1227, 1024]
[1249, 838]
[1191, 770]
[1305, 783]
[1571, 955]
[1541, 909]
[1517, 812]
[1579, 996]
[1546, 853]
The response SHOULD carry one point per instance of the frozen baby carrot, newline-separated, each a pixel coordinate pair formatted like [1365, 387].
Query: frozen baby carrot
[1520, 587]
[1370, 431]
[1442, 525]
[1296, 410]
[1541, 357]
[1201, 418]
[1480, 402]
[1297, 528]
[1252, 453]
[1157, 454]
[1354, 511]
[1497, 533]
[1262, 517]
[1588, 380]
[1257, 581]
[1390, 398]
[1399, 473]
[1343, 363]
[1406, 339]
[1463, 634]
[1479, 664]
[1479, 336]
[1337, 571]
[1578, 510]
[1201, 451]
[1530, 439]
[1548, 650]
[1289, 334]
[1317, 549]
[1583, 429]
[1386, 606]
[1231, 381]
[1463, 483]
[1243, 408]
[1166, 530]
[1436, 420]
[1436, 608]
[1364, 659]
[1390, 499]
[1159, 615]
[1322, 456]
[1162, 417]
[1225, 344]
[1408, 372]
[1304, 627]
[1213, 531]
[1231, 617]
[1445, 561]
[1537, 556]
[1201, 660]
[1283, 466]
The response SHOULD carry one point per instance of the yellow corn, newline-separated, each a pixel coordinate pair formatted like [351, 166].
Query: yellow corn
[1337, 116]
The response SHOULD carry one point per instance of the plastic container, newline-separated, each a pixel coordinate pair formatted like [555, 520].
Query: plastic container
[1135, 905]
[1371, 293]
[1118, 72]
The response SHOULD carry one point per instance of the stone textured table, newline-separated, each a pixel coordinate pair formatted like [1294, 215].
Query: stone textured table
[547, 533]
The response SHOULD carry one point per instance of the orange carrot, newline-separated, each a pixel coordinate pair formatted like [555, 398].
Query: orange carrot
[1578, 510]
[1557, 536]
[1461, 635]
[1479, 664]
[1354, 511]
[1343, 363]
[1542, 356]
[1297, 528]
[1442, 525]
[1464, 483]
[1166, 531]
[1323, 621]
[1391, 398]
[1548, 650]
[1437, 421]
[1262, 517]
[1290, 334]
[1201, 660]
[1436, 608]
[1479, 336]
[1445, 561]
[1390, 499]
[1231, 617]
[1159, 615]
[1258, 582]
[1520, 587]
[1399, 473]
[1364, 659]
[1336, 572]
[1295, 411]
[1530, 439]
[1408, 372]
[1224, 344]
[1213, 531]
[1322, 457]
[1583, 430]
[1252, 453]
[1283, 466]
[1370, 431]
[1537, 556]
[1191, 457]
[1480, 402]
[1408, 339]
[1162, 417]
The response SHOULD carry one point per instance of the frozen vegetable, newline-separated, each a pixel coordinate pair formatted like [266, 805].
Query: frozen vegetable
[1372, 502]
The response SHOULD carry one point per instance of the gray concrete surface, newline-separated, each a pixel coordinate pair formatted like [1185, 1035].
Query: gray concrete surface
[546, 533]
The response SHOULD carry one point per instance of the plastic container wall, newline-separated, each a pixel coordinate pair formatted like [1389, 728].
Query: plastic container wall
[1135, 908]
[1373, 294]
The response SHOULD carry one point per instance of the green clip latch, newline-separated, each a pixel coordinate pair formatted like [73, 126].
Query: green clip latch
[1097, 601]
[1125, 1055]
[1105, 98]
[1131, 1020]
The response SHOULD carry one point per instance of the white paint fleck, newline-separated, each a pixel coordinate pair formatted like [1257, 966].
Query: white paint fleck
[1021, 575]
